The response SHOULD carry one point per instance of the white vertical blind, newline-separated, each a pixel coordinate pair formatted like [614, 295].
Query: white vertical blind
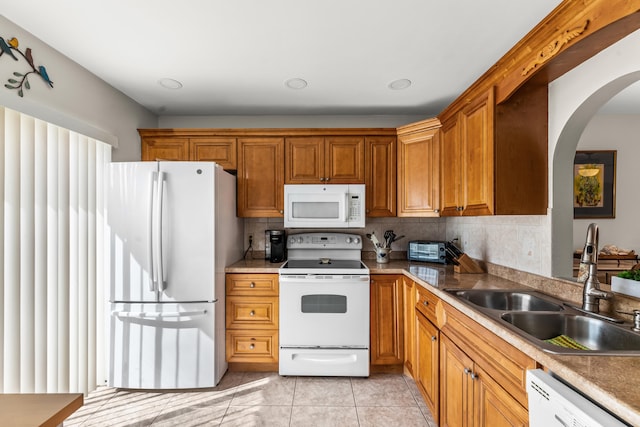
[51, 260]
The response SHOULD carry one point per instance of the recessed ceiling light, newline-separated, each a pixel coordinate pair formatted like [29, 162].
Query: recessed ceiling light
[296, 83]
[168, 83]
[400, 84]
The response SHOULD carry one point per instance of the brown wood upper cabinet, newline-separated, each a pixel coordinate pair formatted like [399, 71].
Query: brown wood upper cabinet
[260, 177]
[317, 159]
[418, 169]
[170, 148]
[467, 160]
[167, 144]
[221, 150]
[380, 161]
[494, 157]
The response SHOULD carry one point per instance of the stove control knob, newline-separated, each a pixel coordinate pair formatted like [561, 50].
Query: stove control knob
[300, 240]
[292, 240]
[349, 239]
[356, 240]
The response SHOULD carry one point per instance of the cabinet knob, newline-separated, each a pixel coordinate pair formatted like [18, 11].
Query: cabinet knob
[459, 208]
[251, 346]
[433, 338]
[474, 376]
[436, 210]
[467, 371]
[282, 212]
[252, 285]
[425, 303]
[252, 313]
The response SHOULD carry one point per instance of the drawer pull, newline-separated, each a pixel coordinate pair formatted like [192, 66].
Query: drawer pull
[252, 313]
[252, 285]
[252, 346]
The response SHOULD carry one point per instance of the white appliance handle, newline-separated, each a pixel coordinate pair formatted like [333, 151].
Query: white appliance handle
[346, 207]
[160, 266]
[152, 269]
[153, 314]
[329, 359]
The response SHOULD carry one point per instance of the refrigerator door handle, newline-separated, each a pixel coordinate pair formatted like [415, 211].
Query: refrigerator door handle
[160, 266]
[157, 315]
[150, 253]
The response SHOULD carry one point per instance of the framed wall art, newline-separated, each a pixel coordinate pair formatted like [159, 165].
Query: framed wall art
[594, 184]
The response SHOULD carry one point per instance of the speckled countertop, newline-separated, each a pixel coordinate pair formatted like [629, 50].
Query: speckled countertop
[612, 381]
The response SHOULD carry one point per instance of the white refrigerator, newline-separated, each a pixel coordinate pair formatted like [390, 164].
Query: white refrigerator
[172, 230]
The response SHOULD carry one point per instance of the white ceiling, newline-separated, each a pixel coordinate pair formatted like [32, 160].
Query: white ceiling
[233, 56]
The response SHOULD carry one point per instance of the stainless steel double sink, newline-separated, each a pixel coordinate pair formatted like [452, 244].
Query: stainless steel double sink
[552, 325]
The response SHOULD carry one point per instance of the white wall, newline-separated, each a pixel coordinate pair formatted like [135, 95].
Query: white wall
[79, 100]
[616, 132]
[284, 121]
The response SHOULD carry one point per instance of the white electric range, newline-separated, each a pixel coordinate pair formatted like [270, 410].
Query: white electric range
[324, 306]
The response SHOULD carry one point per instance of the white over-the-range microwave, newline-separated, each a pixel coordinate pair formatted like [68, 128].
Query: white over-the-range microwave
[324, 206]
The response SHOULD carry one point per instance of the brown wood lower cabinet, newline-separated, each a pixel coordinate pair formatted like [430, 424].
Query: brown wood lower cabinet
[470, 397]
[409, 324]
[252, 321]
[427, 369]
[467, 375]
[386, 320]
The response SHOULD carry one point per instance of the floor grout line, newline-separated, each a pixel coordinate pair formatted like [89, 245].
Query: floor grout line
[253, 390]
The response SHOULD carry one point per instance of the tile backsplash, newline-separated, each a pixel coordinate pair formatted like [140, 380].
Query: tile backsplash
[411, 228]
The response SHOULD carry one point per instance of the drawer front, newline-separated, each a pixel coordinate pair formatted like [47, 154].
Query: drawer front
[426, 303]
[252, 284]
[252, 346]
[252, 313]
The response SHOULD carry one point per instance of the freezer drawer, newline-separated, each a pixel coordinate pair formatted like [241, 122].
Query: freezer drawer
[162, 346]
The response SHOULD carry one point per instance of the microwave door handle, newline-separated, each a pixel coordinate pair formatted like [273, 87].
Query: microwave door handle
[346, 207]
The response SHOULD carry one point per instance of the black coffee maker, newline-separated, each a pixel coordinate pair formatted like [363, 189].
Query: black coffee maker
[277, 245]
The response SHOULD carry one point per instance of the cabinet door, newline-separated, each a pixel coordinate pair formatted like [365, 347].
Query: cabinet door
[450, 168]
[304, 160]
[165, 149]
[380, 166]
[477, 126]
[220, 150]
[344, 160]
[493, 406]
[260, 177]
[409, 323]
[418, 174]
[428, 363]
[386, 320]
[456, 388]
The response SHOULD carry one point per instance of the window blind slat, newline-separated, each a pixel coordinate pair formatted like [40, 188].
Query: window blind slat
[51, 259]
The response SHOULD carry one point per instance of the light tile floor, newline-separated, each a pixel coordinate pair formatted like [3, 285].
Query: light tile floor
[264, 399]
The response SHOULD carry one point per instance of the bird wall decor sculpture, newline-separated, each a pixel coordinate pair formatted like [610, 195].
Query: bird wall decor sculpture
[20, 81]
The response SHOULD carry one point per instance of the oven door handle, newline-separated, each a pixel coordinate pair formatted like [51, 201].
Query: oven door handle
[326, 359]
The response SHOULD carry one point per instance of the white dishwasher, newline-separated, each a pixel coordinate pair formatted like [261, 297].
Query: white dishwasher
[552, 403]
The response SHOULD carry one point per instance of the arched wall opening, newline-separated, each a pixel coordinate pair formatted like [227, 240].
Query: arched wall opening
[574, 99]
